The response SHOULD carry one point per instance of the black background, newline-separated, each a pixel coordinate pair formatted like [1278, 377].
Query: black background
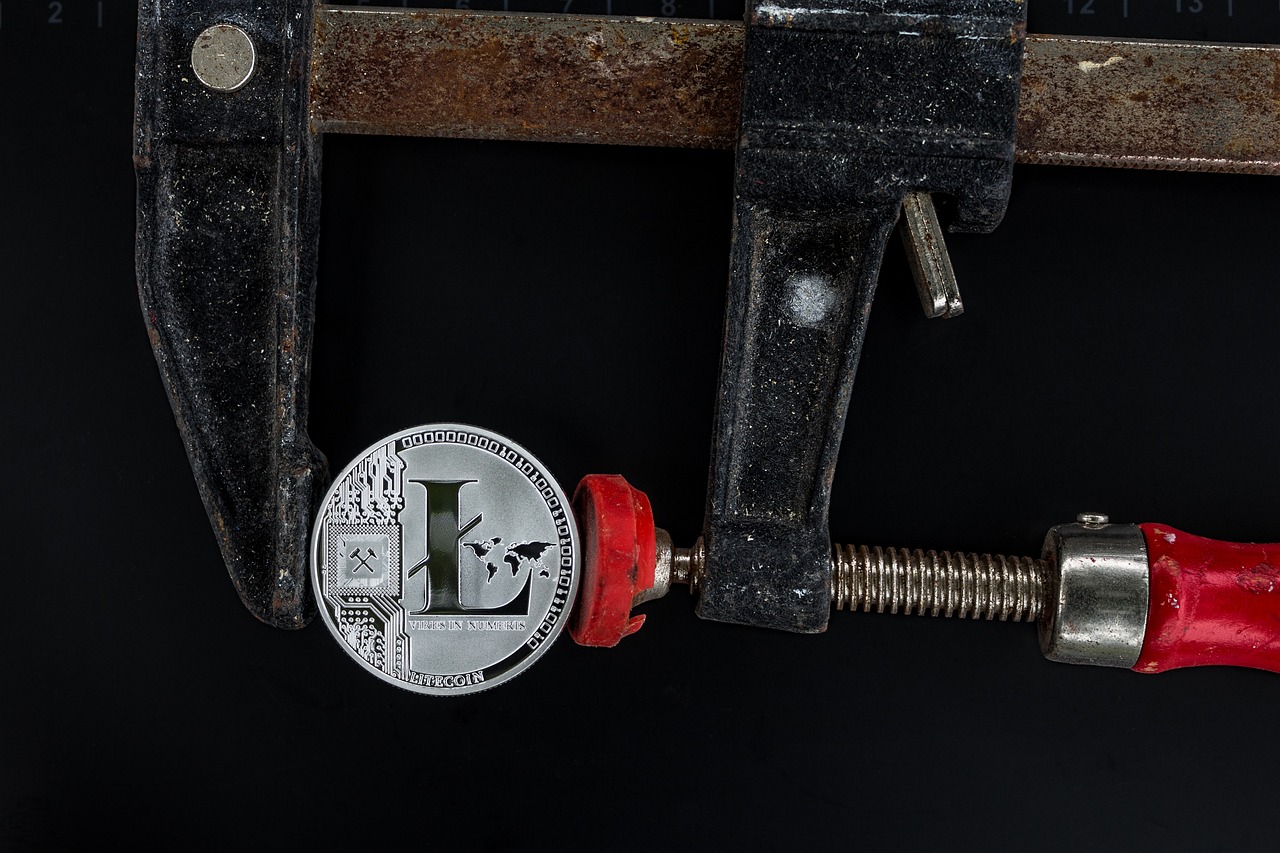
[1118, 353]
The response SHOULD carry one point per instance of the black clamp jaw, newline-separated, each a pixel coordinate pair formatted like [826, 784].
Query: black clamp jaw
[846, 107]
[228, 230]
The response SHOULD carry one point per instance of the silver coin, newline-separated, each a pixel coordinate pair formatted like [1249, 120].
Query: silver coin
[445, 559]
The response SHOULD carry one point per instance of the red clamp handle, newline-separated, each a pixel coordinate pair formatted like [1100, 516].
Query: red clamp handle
[1212, 603]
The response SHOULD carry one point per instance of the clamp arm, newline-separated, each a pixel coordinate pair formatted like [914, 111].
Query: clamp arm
[228, 227]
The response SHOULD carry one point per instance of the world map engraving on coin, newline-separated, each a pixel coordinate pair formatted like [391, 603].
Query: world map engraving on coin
[517, 555]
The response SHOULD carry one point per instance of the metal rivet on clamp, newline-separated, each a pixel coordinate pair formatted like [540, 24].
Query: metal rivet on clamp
[223, 57]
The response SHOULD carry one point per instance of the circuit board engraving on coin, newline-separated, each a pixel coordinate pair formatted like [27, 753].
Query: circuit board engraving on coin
[445, 559]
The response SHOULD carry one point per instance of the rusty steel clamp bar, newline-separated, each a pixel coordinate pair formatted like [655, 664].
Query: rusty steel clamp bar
[1188, 106]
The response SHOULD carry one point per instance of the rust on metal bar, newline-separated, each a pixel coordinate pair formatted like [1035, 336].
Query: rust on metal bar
[559, 78]
[1150, 105]
[646, 81]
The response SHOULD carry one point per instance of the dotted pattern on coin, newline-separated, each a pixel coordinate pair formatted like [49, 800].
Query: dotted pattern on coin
[445, 559]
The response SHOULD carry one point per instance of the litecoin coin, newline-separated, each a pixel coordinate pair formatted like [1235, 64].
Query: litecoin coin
[445, 559]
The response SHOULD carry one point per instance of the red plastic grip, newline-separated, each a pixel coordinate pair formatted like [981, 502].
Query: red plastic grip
[619, 550]
[1212, 603]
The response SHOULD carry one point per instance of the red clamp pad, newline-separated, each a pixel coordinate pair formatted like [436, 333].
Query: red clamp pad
[619, 557]
[1211, 603]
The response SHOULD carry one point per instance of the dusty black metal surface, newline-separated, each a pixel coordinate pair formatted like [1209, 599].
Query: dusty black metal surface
[846, 107]
[228, 204]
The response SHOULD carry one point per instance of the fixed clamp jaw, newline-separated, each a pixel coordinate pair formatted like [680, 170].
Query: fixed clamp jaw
[228, 230]
[846, 108]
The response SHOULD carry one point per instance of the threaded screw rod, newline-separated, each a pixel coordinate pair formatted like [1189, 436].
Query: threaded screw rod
[968, 586]
[896, 580]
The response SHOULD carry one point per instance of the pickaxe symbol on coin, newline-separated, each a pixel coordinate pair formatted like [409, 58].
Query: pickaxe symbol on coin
[364, 561]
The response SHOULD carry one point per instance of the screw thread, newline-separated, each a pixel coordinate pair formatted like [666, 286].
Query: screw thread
[970, 586]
